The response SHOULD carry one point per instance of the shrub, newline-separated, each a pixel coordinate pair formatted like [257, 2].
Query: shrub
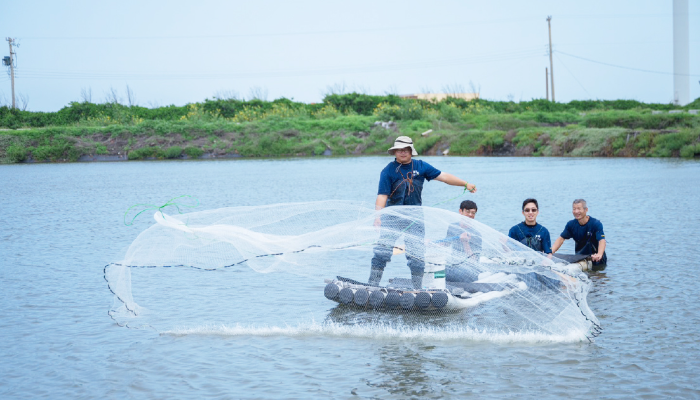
[328, 111]
[362, 104]
[450, 112]
[422, 144]
[193, 152]
[665, 145]
[146, 152]
[387, 112]
[690, 151]
[477, 142]
[16, 153]
[173, 152]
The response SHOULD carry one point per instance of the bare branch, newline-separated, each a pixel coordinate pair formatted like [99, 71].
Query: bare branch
[475, 89]
[258, 93]
[454, 89]
[227, 95]
[112, 96]
[131, 100]
[23, 100]
[393, 89]
[363, 89]
[337, 88]
[86, 94]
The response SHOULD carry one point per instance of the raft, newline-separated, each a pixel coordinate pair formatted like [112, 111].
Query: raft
[399, 294]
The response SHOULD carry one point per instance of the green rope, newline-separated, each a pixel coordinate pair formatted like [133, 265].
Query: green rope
[149, 207]
[444, 201]
[454, 198]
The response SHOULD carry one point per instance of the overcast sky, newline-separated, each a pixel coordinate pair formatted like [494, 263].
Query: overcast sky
[177, 52]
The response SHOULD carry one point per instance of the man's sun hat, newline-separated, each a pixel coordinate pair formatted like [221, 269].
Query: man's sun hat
[402, 142]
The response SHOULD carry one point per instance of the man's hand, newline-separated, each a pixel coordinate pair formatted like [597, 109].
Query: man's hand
[596, 257]
[377, 223]
[470, 187]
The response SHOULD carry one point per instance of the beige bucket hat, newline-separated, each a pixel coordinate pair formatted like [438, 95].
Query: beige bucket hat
[402, 142]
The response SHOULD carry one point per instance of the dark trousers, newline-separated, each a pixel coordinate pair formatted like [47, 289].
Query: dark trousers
[392, 228]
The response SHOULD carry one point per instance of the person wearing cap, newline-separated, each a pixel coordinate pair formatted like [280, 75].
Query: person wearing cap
[401, 184]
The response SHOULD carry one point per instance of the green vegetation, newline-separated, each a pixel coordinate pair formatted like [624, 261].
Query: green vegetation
[347, 124]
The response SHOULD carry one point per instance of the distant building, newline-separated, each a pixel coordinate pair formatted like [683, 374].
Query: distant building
[440, 96]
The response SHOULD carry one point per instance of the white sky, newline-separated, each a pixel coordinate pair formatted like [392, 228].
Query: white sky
[177, 52]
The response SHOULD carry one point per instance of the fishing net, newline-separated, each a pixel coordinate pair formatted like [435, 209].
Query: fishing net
[344, 264]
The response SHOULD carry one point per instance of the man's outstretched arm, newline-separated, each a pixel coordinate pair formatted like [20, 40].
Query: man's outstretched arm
[454, 181]
[557, 244]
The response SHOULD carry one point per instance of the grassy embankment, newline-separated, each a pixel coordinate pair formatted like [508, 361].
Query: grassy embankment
[345, 124]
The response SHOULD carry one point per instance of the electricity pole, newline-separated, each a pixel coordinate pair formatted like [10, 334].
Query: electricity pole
[12, 72]
[546, 82]
[551, 64]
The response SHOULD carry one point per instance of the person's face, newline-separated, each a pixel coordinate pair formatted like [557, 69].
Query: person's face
[471, 212]
[403, 155]
[530, 212]
[579, 211]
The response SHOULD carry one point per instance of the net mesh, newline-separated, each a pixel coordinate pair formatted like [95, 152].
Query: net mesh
[400, 266]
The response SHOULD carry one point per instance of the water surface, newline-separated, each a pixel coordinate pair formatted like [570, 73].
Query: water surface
[63, 222]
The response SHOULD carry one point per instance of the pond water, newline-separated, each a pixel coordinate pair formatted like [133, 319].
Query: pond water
[62, 223]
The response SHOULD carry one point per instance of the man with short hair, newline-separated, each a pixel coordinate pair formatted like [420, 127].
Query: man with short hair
[468, 240]
[465, 241]
[529, 232]
[587, 233]
[401, 184]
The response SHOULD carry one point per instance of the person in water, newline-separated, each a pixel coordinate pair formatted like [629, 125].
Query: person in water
[587, 233]
[529, 232]
[465, 241]
[464, 268]
[401, 184]
[463, 238]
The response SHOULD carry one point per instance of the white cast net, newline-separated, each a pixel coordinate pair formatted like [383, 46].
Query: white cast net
[404, 267]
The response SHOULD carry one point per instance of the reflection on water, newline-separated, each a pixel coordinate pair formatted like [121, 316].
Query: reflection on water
[62, 223]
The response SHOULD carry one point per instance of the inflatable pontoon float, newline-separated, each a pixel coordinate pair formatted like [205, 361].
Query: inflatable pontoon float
[438, 294]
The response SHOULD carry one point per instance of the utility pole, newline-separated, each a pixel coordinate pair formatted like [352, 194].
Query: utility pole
[546, 82]
[12, 71]
[551, 64]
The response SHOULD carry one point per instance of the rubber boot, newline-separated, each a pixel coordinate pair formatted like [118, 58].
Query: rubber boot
[375, 276]
[417, 281]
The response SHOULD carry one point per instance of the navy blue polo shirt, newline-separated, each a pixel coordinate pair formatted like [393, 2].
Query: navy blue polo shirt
[586, 236]
[535, 237]
[403, 183]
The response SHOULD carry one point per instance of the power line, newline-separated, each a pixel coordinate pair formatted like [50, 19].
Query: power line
[572, 74]
[298, 33]
[342, 31]
[618, 16]
[623, 67]
[29, 73]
